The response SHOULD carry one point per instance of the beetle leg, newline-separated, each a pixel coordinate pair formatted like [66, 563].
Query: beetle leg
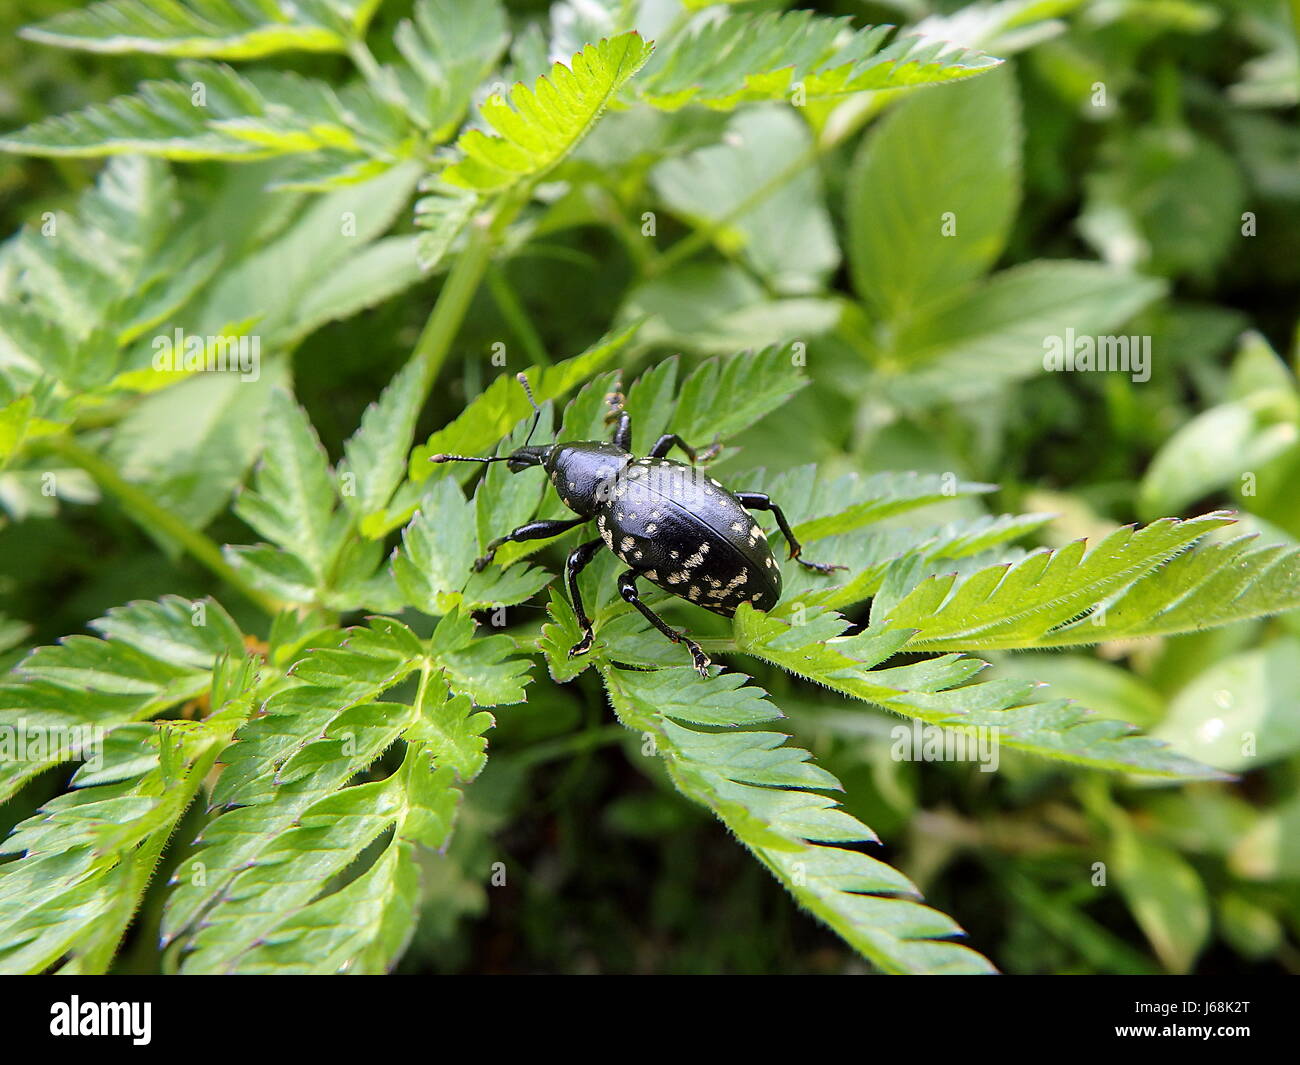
[627, 589]
[533, 530]
[578, 558]
[665, 444]
[761, 501]
[622, 436]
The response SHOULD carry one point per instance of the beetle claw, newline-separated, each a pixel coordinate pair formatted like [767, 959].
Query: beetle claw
[482, 563]
[701, 660]
[821, 567]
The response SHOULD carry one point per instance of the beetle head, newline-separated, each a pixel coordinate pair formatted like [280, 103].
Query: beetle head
[521, 458]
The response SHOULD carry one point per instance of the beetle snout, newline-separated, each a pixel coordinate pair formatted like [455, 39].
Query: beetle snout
[526, 457]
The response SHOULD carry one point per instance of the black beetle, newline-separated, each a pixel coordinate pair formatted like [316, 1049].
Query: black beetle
[672, 524]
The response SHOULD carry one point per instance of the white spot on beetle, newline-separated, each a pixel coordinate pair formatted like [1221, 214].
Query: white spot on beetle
[626, 543]
[650, 529]
[694, 593]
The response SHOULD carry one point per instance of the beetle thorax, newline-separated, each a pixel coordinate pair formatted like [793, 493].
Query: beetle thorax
[584, 472]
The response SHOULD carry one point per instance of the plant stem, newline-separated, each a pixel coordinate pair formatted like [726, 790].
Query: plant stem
[148, 511]
[564, 746]
[485, 230]
[516, 315]
[453, 301]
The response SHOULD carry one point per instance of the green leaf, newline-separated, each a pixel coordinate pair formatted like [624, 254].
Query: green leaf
[1166, 897]
[433, 566]
[940, 691]
[546, 122]
[448, 52]
[1238, 714]
[85, 285]
[443, 213]
[1210, 585]
[787, 237]
[874, 555]
[754, 384]
[293, 503]
[88, 854]
[229, 29]
[819, 507]
[718, 308]
[375, 456]
[192, 444]
[280, 282]
[932, 194]
[759, 789]
[153, 656]
[1006, 329]
[306, 874]
[214, 113]
[735, 59]
[481, 668]
[376, 273]
[1213, 450]
[1008, 606]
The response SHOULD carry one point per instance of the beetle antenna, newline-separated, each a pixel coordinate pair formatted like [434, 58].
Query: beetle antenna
[467, 458]
[522, 378]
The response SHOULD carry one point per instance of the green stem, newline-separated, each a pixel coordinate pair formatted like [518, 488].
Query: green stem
[565, 746]
[149, 512]
[516, 316]
[453, 301]
[485, 231]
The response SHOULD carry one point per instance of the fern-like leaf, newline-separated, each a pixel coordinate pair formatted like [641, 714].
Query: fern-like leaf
[1212, 584]
[741, 58]
[153, 656]
[546, 122]
[229, 29]
[87, 855]
[259, 907]
[940, 691]
[1014, 605]
[768, 795]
